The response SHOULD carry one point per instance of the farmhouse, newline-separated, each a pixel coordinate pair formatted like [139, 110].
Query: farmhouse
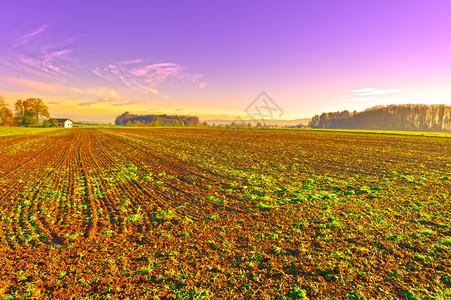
[65, 122]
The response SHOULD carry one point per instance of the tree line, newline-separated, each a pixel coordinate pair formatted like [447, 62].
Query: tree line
[420, 117]
[6, 115]
[27, 113]
[156, 120]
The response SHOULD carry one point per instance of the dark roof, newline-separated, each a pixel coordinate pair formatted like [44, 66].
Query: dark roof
[62, 119]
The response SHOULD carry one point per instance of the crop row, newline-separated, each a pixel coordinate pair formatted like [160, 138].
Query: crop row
[186, 213]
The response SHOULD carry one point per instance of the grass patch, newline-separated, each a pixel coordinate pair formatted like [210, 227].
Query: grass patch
[6, 131]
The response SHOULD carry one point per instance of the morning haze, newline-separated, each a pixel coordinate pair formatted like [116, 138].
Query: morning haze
[225, 149]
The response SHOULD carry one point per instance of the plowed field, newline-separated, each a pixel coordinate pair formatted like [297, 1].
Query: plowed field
[217, 213]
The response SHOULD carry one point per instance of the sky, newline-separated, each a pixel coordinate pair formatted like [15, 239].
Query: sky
[93, 60]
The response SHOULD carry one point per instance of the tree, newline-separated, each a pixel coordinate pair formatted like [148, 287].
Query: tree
[29, 119]
[392, 117]
[20, 107]
[38, 107]
[163, 120]
[46, 123]
[53, 122]
[6, 116]
[33, 106]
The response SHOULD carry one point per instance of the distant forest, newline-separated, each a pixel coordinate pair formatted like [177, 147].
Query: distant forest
[420, 117]
[156, 120]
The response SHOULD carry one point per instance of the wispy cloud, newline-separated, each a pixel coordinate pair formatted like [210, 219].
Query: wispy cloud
[367, 95]
[25, 38]
[97, 101]
[146, 77]
[36, 52]
[98, 92]
[131, 102]
[373, 92]
[364, 95]
[49, 63]
[112, 101]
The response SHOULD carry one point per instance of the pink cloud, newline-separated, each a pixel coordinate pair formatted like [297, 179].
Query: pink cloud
[25, 38]
[131, 102]
[35, 52]
[146, 77]
[373, 92]
[97, 101]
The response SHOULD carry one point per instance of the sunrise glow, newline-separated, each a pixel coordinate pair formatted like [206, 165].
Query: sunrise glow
[92, 60]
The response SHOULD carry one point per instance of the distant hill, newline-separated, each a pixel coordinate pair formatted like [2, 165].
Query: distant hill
[419, 117]
[281, 123]
[89, 123]
[156, 120]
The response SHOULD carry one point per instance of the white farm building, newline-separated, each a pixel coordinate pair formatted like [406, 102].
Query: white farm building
[65, 123]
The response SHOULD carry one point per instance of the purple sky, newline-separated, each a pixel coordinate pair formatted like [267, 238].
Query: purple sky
[92, 60]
